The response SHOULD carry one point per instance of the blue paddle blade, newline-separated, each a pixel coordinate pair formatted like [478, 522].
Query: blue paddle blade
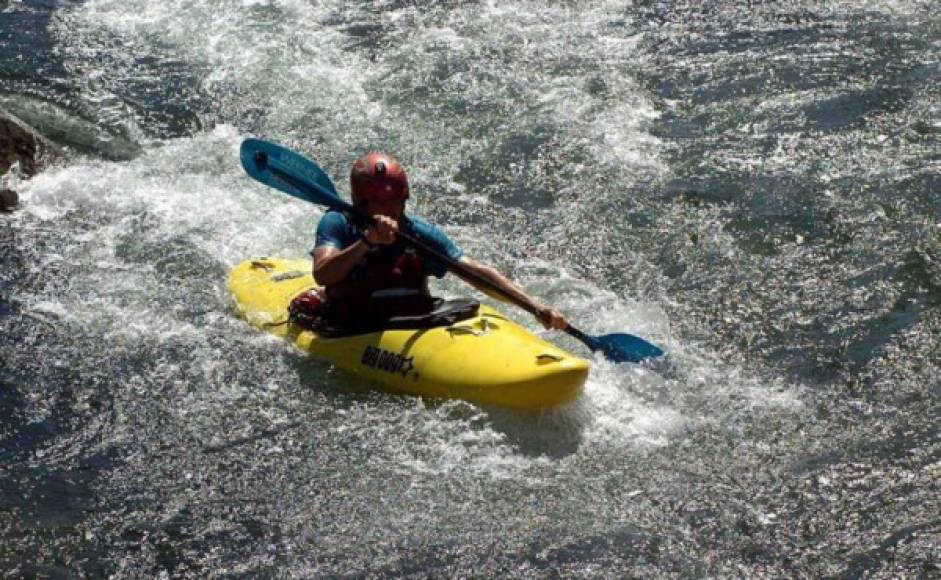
[620, 347]
[625, 348]
[285, 170]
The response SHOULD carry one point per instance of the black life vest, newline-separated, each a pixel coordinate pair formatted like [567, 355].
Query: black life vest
[390, 281]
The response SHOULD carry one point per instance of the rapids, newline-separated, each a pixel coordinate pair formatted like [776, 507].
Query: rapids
[756, 189]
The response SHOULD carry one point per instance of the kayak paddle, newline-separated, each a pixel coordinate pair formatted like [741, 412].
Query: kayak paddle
[295, 175]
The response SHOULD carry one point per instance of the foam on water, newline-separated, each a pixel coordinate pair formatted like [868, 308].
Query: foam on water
[205, 199]
[720, 181]
[192, 190]
[191, 187]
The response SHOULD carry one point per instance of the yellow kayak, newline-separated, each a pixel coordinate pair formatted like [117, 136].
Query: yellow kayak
[486, 359]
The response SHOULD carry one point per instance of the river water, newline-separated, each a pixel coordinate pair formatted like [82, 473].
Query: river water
[757, 189]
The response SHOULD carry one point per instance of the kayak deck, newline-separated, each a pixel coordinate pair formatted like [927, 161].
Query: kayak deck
[487, 359]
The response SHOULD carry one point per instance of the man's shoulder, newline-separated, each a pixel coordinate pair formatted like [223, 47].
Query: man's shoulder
[422, 226]
[334, 218]
[428, 232]
[335, 230]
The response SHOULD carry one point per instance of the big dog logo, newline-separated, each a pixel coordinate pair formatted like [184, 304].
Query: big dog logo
[390, 362]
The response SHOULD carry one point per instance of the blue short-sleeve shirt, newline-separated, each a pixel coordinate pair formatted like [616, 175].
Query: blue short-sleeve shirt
[337, 230]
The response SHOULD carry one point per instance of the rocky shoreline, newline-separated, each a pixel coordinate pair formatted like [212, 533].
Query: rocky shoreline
[23, 145]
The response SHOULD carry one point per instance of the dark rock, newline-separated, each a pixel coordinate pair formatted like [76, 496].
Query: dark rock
[19, 142]
[8, 200]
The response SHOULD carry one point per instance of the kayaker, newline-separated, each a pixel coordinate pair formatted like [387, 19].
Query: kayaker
[368, 272]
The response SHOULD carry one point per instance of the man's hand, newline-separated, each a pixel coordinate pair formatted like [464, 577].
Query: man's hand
[382, 232]
[551, 318]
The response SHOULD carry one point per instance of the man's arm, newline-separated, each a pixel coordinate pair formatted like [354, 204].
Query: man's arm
[548, 316]
[332, 265]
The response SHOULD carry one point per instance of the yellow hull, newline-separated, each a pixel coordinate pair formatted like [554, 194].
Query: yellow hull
[487, 359]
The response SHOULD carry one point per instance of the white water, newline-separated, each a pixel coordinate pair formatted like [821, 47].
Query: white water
[751, 188]
[320, 92]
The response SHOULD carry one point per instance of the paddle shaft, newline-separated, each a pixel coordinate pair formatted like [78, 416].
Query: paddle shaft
[339, 204]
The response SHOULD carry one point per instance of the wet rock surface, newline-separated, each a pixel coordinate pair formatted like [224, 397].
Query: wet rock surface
[8, 199]
[20, 143]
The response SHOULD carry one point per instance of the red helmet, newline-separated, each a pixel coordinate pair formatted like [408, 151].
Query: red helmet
[377, 176]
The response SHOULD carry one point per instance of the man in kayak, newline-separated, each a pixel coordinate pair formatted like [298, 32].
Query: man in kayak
[367, 271]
